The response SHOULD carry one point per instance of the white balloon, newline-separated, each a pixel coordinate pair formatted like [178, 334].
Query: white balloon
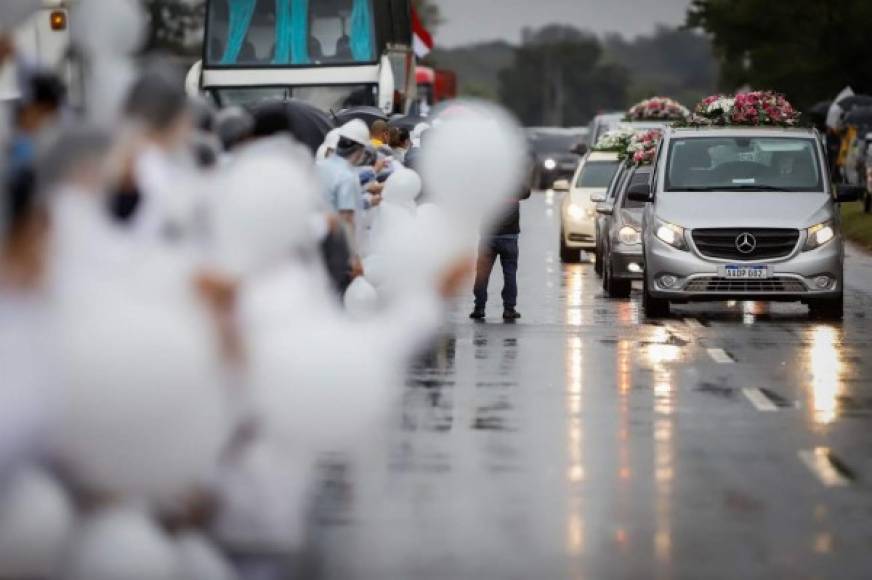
[27, 389]
[263, 212]
[374, 267]
[115, 29]
[199, 559]
[361, 298]
[36, 518]
[143, 411]
[473, 161]
[120, 543]
[14, 12]
[263, 493]
[108, 81]
[402, 188]
[323, 383]
[415, 252]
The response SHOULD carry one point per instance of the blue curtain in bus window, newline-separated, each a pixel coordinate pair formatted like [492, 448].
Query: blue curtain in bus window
[292, 19]
[299, 31]
[241, 12]
[361, 31]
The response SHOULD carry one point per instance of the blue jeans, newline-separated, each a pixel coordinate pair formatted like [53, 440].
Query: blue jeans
[506, 248]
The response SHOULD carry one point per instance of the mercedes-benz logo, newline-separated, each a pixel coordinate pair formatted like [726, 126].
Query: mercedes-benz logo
[746, 243]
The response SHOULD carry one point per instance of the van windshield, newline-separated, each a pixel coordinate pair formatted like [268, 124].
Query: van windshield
[277, 33]
[744, 164]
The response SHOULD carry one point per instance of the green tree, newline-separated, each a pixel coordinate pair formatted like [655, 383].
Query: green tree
[559, 79]
[671, 62]
[807, 49]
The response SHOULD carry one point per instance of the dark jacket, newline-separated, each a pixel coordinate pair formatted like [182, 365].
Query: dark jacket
[509, 223]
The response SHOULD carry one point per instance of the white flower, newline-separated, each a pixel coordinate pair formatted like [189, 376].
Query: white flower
[724, 104]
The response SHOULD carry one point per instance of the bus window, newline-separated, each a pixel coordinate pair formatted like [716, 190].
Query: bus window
[290, 32]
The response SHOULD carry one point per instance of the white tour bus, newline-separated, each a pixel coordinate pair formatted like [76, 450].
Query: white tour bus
[333, 54]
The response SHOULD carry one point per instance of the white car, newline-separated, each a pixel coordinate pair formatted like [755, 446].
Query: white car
[578, 211]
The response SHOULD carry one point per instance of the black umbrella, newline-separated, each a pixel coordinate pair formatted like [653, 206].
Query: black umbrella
[308, 124]
[855, 101]
[820, 109]
[860, 117]
[407, 122]
[369, 115]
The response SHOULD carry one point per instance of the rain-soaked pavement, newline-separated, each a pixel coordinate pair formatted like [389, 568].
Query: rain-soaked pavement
[730, 441]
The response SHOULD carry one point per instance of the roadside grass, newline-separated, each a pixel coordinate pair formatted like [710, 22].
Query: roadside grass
[857, 225]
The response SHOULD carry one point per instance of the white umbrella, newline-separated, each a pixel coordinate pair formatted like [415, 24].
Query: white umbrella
[834, 115]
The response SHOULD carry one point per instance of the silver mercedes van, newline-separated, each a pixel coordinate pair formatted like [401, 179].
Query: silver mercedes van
[742, 213]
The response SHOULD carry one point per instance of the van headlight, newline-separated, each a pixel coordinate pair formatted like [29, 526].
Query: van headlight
[550, 164]
[819, 235]
[671, 234]
[630, 236]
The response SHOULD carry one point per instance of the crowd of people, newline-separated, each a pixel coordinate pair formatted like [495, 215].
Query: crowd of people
[195, 309]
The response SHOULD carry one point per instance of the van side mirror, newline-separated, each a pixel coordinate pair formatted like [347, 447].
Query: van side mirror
[605, 209]
[598, 197]
[846, 193]
[561, 185]
[640, 192]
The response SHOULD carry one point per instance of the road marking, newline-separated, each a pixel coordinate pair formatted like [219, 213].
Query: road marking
[820, 462]
[760, 401]
[694, 323]
[720, 356]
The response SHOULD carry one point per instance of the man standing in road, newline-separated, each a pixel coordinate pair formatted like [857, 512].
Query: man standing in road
[500, 242]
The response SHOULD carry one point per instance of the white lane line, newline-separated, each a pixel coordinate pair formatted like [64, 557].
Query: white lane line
[720, 356]
[818, 461]
[760, 401]
[694, 323]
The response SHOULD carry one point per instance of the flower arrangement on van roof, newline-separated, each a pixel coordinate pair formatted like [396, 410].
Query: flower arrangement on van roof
[615, 141]
[642, 147]
[658, 109]
[755, 108]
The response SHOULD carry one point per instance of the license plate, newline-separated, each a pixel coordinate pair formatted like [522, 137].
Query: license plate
[745, 272]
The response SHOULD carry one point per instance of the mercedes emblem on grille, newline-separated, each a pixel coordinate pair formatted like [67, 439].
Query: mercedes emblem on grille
[746, 243]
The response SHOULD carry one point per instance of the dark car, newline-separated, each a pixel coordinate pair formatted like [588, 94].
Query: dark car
[556, 153]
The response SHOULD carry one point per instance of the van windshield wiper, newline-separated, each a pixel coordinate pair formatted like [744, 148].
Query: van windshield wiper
[751, 187]
[748, 187]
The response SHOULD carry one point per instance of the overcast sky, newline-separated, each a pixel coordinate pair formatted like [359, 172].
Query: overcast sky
[479, 20]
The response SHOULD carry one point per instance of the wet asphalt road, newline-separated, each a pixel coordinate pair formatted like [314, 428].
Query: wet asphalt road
[729, 441]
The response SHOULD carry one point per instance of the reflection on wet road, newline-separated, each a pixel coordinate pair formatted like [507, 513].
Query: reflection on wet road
[729, 441]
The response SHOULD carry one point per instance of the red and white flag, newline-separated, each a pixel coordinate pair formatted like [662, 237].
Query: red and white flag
[422, 40]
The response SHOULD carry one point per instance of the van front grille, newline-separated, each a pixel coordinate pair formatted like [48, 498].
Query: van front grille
[736, 244]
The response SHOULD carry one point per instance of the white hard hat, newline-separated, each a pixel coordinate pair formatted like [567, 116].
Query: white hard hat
[331, 142]
[355, 130]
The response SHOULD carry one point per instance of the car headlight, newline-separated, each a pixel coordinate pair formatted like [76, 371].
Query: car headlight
[630, 236]
[549, 164]
[575, 212]
[671, 234]
[819, 235]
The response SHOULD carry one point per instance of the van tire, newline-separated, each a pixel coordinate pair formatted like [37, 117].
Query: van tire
[615, 288]
[654, 308]
[831, 309]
